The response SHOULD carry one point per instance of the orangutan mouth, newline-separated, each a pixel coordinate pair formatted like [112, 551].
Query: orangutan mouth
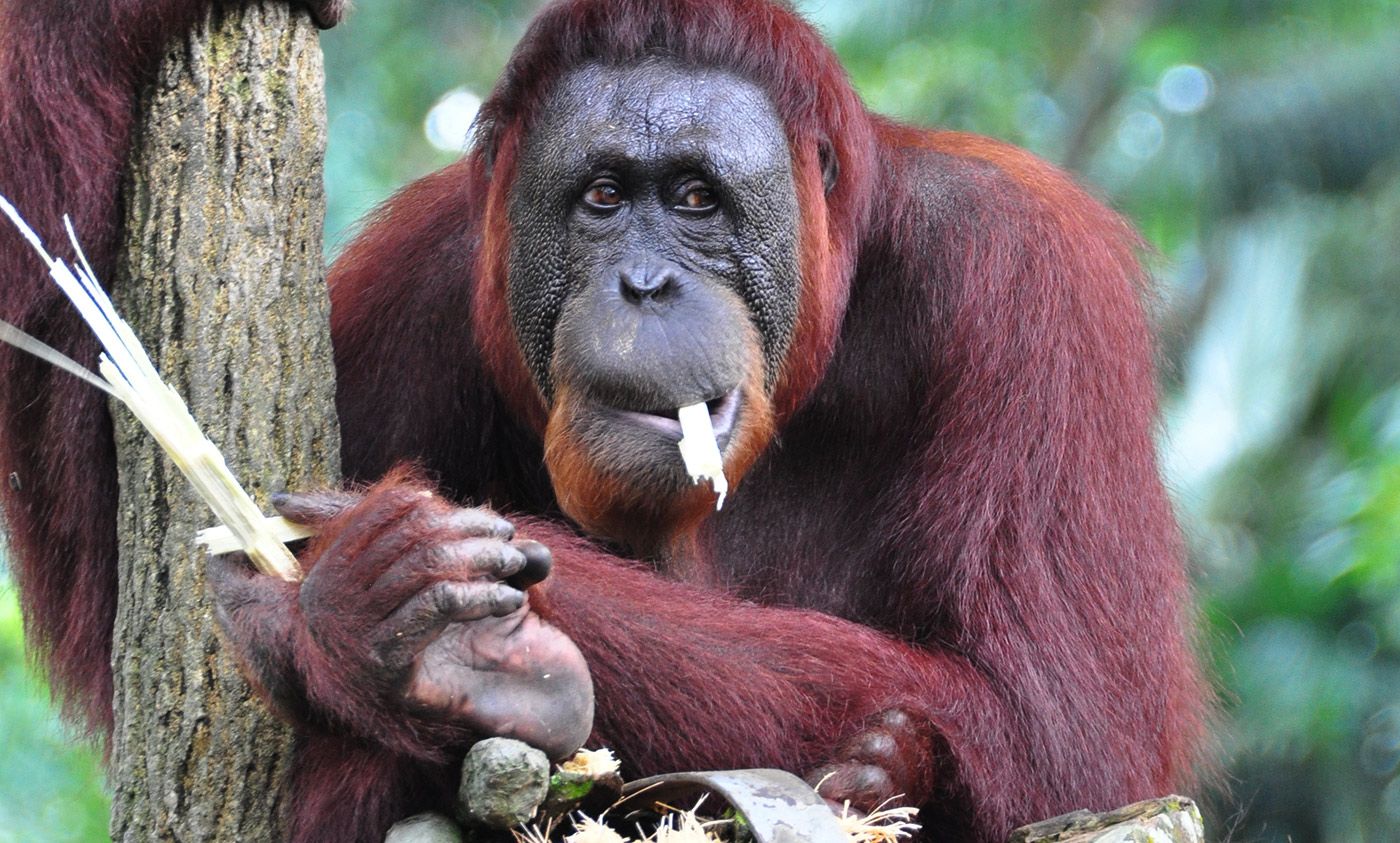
[724, 412]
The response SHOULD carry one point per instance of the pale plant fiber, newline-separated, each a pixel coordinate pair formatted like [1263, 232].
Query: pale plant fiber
[883, 825]
[128, 374]
[700, 450]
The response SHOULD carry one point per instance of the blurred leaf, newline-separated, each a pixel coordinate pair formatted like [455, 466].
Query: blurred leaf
[52, 788]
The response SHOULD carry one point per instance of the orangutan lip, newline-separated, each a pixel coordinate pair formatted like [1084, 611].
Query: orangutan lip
[724, 410]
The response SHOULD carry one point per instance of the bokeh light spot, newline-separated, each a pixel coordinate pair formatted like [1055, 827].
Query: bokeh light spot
[449, 121]
[1185, 89]
[1140, 135]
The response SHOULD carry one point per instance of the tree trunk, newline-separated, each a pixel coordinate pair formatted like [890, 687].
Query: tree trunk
[223, 279]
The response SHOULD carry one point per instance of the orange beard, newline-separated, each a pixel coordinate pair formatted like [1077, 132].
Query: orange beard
[650, 515]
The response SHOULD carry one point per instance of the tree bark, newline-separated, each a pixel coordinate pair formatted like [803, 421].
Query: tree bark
[223, 280]
[1171, 819]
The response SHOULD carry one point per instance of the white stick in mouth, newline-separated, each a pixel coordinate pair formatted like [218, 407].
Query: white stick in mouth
[700, 450]
[128, 374]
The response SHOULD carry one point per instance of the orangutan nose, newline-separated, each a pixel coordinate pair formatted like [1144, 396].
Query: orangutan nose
[649, 279]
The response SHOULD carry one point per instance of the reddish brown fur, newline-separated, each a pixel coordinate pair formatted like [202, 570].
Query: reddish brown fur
[960, 516]
[606, 503]
[824, 288]
[66, 108]
[491, 319]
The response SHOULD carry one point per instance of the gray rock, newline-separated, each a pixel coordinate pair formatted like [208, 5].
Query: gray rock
[425, 828]
[503, 783]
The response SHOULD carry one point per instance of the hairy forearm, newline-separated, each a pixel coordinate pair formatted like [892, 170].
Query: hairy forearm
[688, 677]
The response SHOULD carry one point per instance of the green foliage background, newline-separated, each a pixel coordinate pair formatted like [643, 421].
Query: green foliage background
[1273, 206]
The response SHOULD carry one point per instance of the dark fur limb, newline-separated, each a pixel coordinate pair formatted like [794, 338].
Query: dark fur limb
[407, 632]
[68, 92]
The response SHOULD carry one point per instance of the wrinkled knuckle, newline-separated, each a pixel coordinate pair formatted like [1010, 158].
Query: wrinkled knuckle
[499, 527]
[495, 559]
[873, 747]
[456, 521]
[449, 597]
[820, 778]
[897, 720]
[871, 778]
[480, 522]
[509, 561]
[459, 557]
[439, 555]
[485, 556]
[505, 599]
[285, 503]
[863, 785]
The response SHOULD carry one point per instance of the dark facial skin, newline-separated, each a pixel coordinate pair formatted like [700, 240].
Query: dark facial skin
[653, 259]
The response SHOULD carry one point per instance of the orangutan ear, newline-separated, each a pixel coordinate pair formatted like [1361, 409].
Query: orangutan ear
[831, 167]
[485, 141]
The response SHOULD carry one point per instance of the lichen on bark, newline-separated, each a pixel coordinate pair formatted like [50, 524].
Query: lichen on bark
[223, 280]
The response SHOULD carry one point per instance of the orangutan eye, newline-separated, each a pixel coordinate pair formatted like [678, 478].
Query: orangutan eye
[603, 194]
[697, 197]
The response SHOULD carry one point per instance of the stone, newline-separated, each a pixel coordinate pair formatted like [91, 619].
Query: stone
[425, 828]
[503, 783]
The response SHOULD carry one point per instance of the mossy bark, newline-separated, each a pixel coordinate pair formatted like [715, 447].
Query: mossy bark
[223, 279]
[1171, 819]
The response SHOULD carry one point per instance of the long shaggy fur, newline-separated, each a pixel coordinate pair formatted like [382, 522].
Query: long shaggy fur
[67, 104]
[960, 516]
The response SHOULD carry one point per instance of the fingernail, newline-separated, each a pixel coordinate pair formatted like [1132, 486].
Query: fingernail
[538, 563]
